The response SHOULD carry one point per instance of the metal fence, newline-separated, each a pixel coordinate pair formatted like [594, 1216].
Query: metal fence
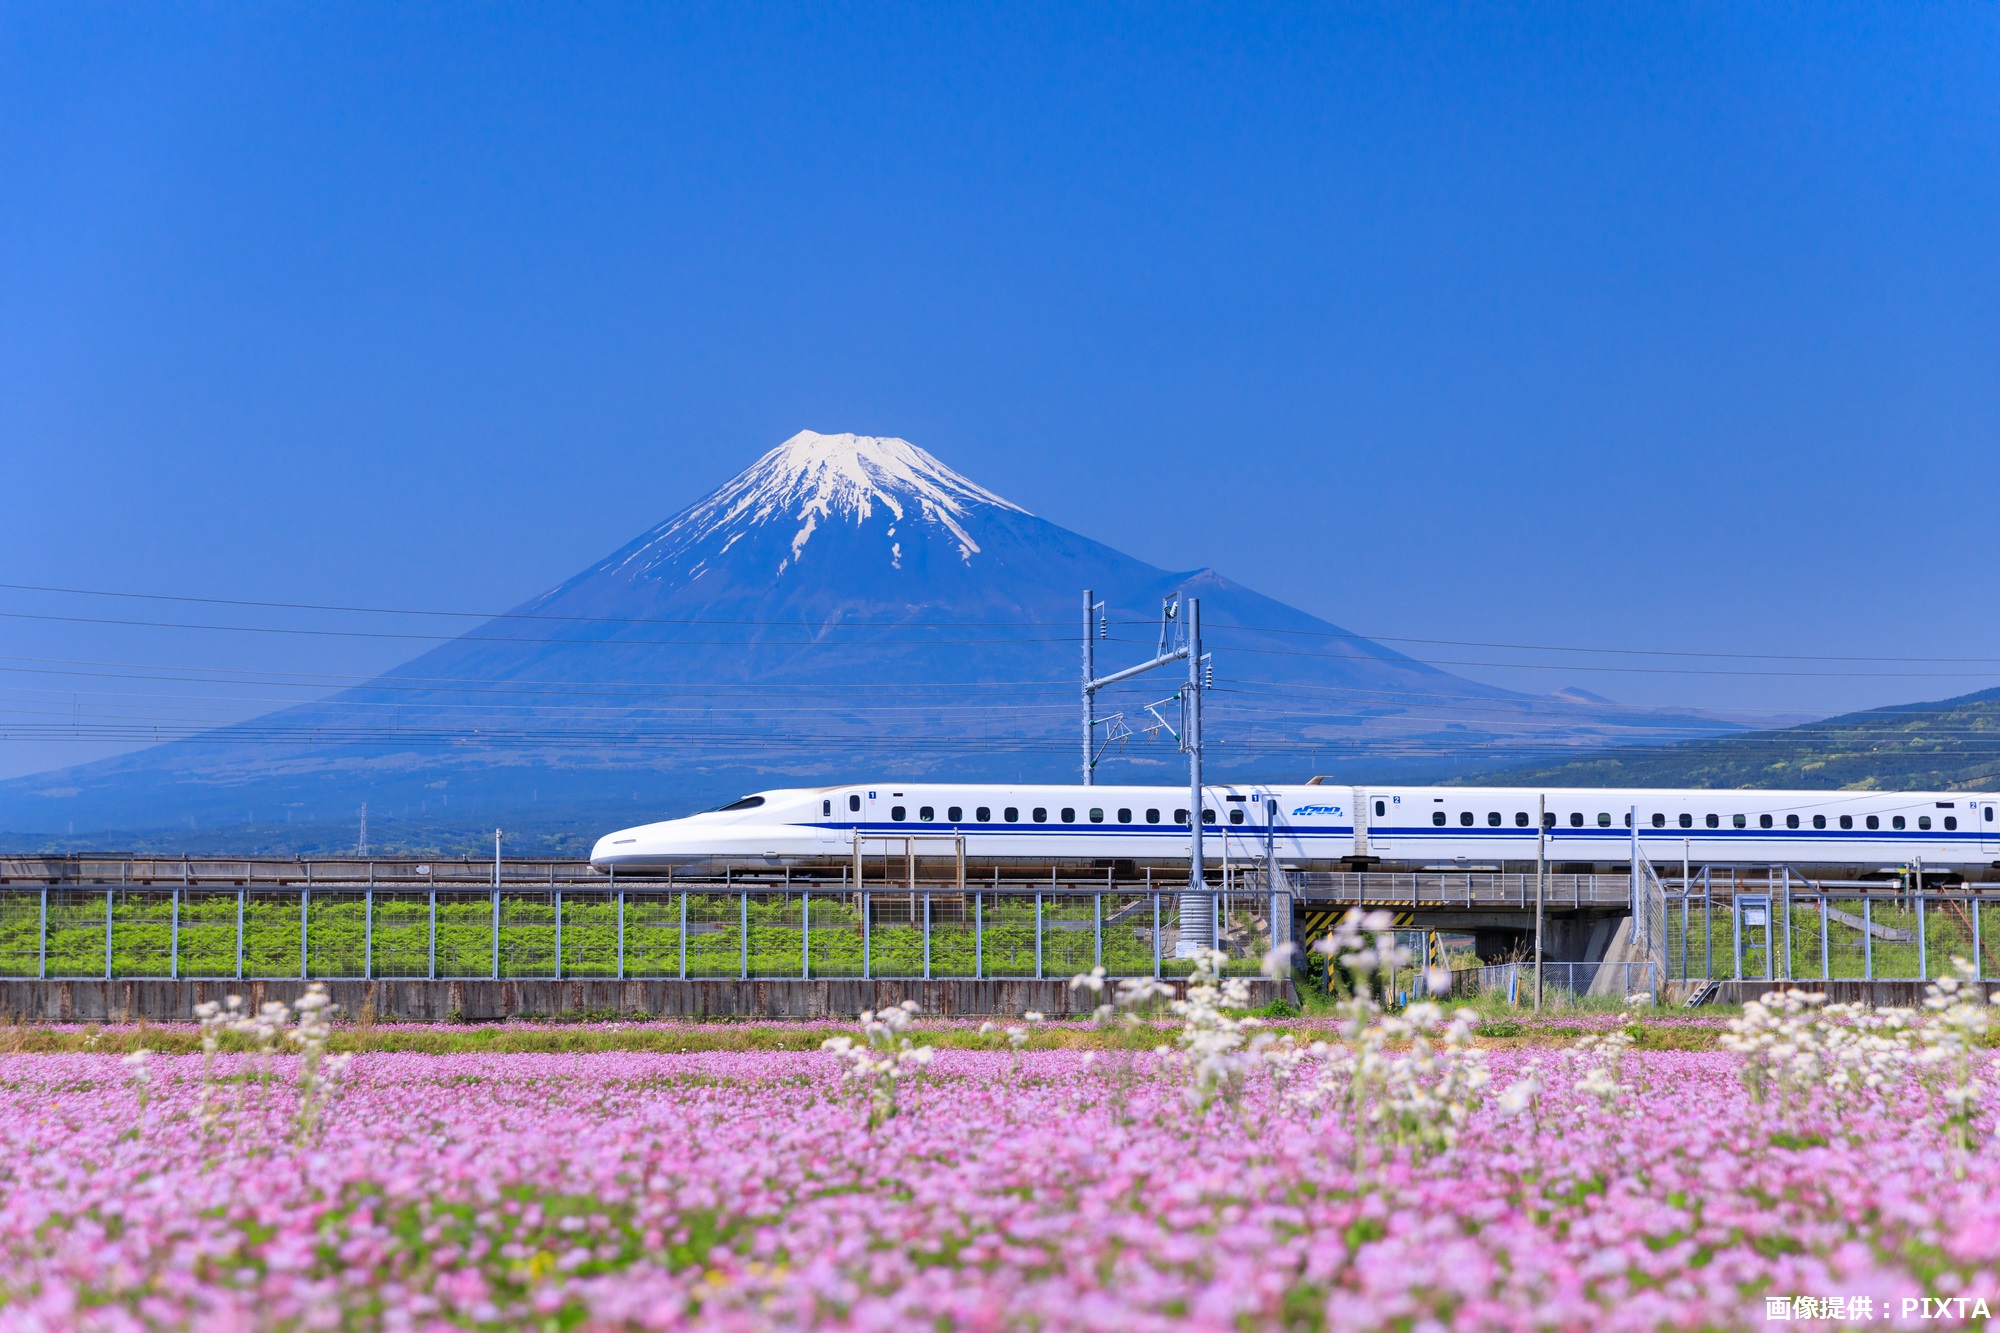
[1516, 981]
[764, 932]
[1805, 932]
[1456, 888]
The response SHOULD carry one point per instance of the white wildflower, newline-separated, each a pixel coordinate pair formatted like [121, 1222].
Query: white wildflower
[883, 1059]
[1521, 1095]
[1092, 981]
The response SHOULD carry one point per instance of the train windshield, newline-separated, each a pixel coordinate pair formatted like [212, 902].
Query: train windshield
[747, 803]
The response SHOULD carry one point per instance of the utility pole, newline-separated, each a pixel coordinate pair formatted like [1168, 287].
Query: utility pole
[1191, 742]
[1199, 928]
[1541, 862]
[362, 848]
[1091, 607]
[1632, 892]
[1169, 610]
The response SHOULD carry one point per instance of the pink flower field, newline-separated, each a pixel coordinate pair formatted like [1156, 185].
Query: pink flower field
[1048, 1190]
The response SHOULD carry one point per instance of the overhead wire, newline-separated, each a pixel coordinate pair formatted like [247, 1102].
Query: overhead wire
[1261, 706]
[1068, 626]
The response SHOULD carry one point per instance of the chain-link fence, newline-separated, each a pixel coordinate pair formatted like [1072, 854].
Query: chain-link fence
[1565, 981]
[405, 932]
[1799, 934]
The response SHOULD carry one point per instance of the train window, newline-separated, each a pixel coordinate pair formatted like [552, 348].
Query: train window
[1819, 821]
[1180, 817]
[1207, 816]
[1896, 822]
[1603, 819]
[926, 815]
[1659, 820]
[1740, 821]
[1847, 821]
[1437, 817]
[1124, 815]
[1873, 822]
[1520, 819]
[1548, 819]
[1152, 816]
[1096, 815]
[1989, 814]
[954, 814]
[1763, 821]
[1713, 821]
[1235, 815]
[1465, 818]
[1628, 819]
[983, 815]
[896, 813]
[1069, 814]
[1687, 821]
[1923, 821]
[1576, 820]
[826, 807]
[853, 802]
[1381, 808]
[1950, 822]
[1041, 814]
[1791, 821]
[1011, 815]
[1493, 819]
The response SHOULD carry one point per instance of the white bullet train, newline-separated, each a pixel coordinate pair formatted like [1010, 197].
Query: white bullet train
[1320, 826]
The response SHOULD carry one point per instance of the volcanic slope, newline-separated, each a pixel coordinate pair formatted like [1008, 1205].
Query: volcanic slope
[846, 606]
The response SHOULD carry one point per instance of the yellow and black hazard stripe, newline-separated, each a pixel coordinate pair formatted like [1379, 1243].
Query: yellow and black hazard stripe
[1310, 923]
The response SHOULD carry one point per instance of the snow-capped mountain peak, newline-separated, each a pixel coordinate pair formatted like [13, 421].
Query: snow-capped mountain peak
[812, 480]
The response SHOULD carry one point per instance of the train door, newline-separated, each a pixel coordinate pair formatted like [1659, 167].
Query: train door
[1383, 813]
[837, 832]
[1253, 824]
[1270, 809]
[1984, 815]
[1234, 816]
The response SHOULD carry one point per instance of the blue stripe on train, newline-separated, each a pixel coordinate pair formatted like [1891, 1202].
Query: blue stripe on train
[1420, 833]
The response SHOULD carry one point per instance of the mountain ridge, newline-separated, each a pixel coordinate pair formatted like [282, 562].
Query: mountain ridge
[846, 602]
[1939, 745]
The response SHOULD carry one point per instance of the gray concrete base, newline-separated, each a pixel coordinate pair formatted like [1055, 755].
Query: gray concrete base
[494, 1001]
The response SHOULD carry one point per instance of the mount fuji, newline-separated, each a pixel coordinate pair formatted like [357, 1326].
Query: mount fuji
[847, 605]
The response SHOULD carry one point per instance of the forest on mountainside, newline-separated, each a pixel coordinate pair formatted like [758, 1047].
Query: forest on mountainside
[1950, 744]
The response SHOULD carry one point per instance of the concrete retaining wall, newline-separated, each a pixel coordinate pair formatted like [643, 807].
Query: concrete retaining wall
[1894, 994]
[493, 1001]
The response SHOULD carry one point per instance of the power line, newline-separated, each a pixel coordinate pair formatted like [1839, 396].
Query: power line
[309, 680]
[520, 615]
[512, 638]
[1068, 636]
[940, 643]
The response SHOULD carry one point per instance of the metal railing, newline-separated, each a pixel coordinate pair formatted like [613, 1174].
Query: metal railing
[464, 932]
[1516, 981]
[418, 872]
[1797, 930]
[1457, 888]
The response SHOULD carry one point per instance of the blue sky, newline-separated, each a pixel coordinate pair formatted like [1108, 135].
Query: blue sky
[1616, 326]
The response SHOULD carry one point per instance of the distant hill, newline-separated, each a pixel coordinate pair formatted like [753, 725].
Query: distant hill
[846, 606]
[1952, 744]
